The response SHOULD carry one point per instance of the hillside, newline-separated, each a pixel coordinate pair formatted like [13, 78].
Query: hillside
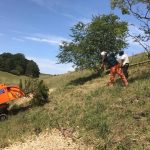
[9, 78]
[102, 117]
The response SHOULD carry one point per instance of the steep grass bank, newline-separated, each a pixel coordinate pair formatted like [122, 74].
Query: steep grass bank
[116, 118]
[106, 117]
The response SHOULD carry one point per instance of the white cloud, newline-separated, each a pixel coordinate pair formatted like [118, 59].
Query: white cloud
[49, 4]
[37, 39]
[52, 40]
[51, 67]
[60, 7]
[17, 39]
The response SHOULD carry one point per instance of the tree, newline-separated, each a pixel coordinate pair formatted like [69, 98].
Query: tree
[105, 32]
[6, 62]
[18, 65]
[32, 69]
[19, 62]
[140, 9]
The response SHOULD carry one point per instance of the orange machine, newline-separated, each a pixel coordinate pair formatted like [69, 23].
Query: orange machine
[8, 93]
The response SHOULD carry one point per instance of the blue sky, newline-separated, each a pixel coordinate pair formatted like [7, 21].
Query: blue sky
[37, 27]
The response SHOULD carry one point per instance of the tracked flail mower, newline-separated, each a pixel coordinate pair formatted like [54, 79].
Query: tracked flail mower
[7, 94]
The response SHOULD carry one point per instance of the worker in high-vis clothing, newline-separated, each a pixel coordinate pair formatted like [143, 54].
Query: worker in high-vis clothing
[111, 61]
[124, 63]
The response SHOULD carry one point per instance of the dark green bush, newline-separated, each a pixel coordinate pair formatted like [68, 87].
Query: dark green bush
[41, 94]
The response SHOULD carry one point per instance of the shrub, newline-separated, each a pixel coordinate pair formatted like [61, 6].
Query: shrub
[41, 94]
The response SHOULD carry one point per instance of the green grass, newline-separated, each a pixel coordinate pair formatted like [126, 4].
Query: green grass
[106, 117]
[9, 78]
[57, 81]
[138, 58]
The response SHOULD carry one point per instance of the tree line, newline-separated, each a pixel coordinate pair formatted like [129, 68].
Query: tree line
[17, 64]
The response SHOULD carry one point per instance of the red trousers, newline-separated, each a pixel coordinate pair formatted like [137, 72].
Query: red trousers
[117, 70]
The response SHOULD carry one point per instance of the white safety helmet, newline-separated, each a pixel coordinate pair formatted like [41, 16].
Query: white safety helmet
[103, 53]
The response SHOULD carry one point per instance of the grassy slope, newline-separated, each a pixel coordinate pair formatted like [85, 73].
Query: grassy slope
[112, 118]
[9, 78]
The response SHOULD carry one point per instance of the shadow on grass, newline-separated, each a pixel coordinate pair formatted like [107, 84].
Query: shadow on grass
[132, 79]
[83, 80]
[15, 111]
[144, 75]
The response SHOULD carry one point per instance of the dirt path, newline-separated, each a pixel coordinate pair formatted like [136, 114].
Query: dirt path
[49, 141]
